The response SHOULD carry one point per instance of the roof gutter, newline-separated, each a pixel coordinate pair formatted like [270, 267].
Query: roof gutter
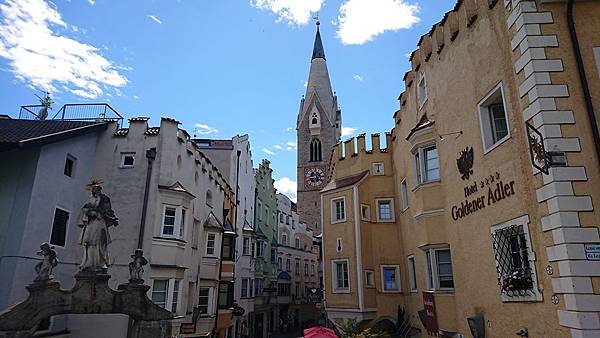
[582, 77]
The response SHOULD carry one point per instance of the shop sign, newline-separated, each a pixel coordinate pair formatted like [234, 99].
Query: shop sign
[592, 252]
[431, 323]
[497, 190]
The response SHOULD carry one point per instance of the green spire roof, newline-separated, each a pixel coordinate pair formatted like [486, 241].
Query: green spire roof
[318, 51]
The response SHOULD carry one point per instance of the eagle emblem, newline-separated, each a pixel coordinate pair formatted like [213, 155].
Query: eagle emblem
[465, 163]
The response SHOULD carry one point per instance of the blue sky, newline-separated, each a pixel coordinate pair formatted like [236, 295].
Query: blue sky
[222, 67]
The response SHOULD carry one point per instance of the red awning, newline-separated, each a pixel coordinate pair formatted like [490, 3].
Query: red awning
[319, 332]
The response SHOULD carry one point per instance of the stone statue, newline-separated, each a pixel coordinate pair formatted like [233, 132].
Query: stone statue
[48, 263]
[136, 267]
[95, 219]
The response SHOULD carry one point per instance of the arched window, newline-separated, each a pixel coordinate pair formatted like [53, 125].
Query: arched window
[315, 150]
[314, 120]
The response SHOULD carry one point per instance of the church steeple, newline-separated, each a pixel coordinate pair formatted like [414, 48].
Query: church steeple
[318, 51]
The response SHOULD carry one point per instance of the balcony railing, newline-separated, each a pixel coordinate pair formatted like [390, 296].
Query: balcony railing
[72, 111]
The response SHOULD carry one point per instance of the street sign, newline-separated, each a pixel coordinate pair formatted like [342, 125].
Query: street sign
[592, 252]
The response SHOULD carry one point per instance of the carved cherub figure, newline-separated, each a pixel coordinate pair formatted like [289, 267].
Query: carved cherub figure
[49, 261]
[136, 267]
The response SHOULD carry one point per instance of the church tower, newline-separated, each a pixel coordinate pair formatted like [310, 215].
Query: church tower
[318, 129]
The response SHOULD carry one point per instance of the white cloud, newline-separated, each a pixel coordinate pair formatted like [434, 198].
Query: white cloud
[291, 145]
[278, 147]
[289, 128]
[42, 58]
[268, 151]
[305, 84]
[136, 97]
[348, 131]
[92, 2]
[297, 12]
[287, 187]
[203, 129]
[358, 78]
[155, 19]
[362, 20]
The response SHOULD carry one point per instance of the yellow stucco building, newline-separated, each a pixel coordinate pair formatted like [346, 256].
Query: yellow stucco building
[477, 214]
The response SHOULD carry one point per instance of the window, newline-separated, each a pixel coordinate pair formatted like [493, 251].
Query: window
[259, 248]
[204, 300]
[341, 281]
[412, 278]
[439, 269]
[59, 227]
[127, 160]
[169, 220]
[306, 269]
[338, 212]
[228, 248]
[196, 235]
[246, 246]
[69, 166]
[273, 255]
[422, 90]
[174, 218]
[253, 249]
[288, 264]
[175, 297]
[160, 290]
[493, 119]
[297, 267]
[427, 164]
[225, 299]
[365, 212]
[280, 263]
[338, 245]
[297, 243]
[283, 289]
[390, 278]
[404, 192]
[287, 219]
[378, 169]
[245, 282]
[266, 216]
[312, 269]
[515, 261]
[165, 293]
[284, 239]
[385, 210]
[369, 279]
[315, 150]
[211, 239]
[280, 218]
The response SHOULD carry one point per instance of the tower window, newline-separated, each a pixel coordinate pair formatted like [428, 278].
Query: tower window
[314, 120]
[315, 150]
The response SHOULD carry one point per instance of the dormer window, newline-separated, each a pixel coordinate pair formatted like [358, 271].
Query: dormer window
[314, 120]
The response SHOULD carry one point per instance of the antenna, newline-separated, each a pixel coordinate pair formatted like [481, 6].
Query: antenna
[46, 102]
[316, 18]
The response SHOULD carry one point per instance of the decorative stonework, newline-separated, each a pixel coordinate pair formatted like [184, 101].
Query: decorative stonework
[573, 280]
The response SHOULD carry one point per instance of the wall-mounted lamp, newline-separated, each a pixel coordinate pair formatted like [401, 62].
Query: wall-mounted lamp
[457, 133]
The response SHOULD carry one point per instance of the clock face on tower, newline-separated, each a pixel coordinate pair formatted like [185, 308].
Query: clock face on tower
[314, 177]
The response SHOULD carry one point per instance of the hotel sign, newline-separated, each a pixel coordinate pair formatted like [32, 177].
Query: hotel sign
[497, 190]
[431, 323]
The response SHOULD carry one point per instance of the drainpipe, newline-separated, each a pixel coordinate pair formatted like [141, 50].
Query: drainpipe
[151, 156]
[582, 77]
[237, 189]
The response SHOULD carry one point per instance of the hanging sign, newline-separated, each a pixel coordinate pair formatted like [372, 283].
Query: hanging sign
[431, 323]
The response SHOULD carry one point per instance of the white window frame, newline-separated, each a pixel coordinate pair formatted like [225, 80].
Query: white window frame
[247, 280]
[421, 100]
[412, 273]
[398, 279]
[334, 219]
[365, 216]
[297, 243]
[216, 247]
[371, 284]
[170, 292]
[524, 222]
[419, 162]
[210, 305]
[334, 287]
[485, 123]
[284, 239]
[404, 194]
[122, 160]
[433, 283]
[393, 217]
[246, 246]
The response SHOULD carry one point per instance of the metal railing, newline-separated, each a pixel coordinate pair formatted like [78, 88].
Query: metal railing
[73, 112]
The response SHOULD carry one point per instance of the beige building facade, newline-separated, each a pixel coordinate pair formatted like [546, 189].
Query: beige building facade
[480, 221]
